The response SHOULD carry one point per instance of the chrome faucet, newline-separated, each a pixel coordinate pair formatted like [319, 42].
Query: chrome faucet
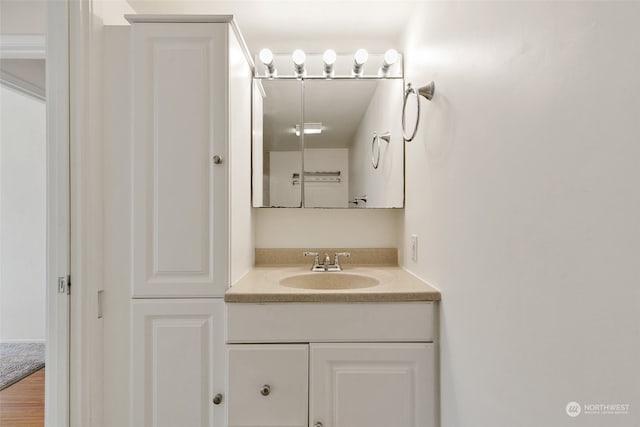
[326, 265]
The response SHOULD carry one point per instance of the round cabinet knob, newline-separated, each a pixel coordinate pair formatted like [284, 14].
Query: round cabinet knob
[217, 159]
[217, 399]
[265, 390]
[318, 424]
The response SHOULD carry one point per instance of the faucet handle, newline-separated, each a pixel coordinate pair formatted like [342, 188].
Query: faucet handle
[309, 253]
[339, 254]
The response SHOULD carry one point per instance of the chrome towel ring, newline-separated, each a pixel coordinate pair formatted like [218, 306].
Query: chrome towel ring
[375, 147]
[427, 91]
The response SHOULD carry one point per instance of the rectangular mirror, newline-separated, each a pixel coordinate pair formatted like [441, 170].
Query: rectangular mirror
[351, 132]
[277, 154]
[346, 162]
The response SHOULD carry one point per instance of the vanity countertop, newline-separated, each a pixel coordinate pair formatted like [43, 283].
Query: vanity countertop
[262, 285]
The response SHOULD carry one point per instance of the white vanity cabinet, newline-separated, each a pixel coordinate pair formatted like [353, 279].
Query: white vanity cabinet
[372, 385]
[191, 96]
[177, 362]
[369, 364]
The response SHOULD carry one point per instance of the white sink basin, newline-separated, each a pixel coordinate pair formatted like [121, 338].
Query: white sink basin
[329, 281]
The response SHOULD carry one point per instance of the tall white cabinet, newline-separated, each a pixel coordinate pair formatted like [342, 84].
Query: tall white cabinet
[191, 79]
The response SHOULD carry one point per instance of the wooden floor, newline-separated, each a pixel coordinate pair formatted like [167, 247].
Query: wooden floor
[22, 403]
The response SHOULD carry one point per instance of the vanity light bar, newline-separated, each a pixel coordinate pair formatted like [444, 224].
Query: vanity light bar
[329, 59]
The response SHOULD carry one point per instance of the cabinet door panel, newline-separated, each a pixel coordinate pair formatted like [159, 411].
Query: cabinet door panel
[372, 385]
[178, 363]
[284, 368]
[179, 195]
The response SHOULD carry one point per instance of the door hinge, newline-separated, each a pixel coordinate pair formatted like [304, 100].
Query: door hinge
[64, 285]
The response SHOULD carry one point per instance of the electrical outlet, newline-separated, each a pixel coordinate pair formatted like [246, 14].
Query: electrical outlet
[414, 247]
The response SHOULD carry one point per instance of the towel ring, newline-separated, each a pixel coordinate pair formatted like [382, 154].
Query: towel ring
[427, 91]
[375, 159]
[375, 143]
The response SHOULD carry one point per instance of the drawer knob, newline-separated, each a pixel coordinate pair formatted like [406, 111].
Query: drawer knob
[217, 399]
[318, 424]
[265, 390]
[217, 159]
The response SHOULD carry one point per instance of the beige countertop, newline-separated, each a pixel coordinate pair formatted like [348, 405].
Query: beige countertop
[262, 285]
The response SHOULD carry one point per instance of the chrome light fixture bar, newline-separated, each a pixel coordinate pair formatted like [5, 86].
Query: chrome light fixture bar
[390, 58]
[266, 57]
[360, 58]
[298, 62]
[310, 129]
[328, 59]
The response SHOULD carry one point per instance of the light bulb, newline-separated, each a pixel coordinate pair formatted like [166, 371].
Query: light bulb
[298, 57]
[390, 57]
[329, 57]
[358, 63]
[361, 56]
[266, 56]
[298, 62]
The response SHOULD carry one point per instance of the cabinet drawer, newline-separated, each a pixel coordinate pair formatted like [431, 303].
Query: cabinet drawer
[330, 322]
[268, 385]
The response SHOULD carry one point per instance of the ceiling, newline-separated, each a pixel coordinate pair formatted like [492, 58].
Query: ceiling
[311, 25]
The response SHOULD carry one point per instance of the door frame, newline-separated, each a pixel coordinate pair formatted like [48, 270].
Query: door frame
[73, 384]
[58, 216]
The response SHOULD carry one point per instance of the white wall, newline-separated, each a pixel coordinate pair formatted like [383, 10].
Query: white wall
[308, 228]
[383, 186]
[282, 164]
[22, 216]
[523, 187]
[23, 16]
[327, 194]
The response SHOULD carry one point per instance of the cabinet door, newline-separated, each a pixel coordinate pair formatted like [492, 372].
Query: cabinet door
[268, 385]
[177, 363]
[372, 385]
[179, 196]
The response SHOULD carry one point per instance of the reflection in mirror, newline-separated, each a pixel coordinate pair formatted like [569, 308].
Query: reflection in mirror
[346, 162]
[277, 159]
[353, 148]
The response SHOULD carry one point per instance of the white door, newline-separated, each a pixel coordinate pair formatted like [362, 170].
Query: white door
[180, 196]
[372, 385]
[177, 363]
